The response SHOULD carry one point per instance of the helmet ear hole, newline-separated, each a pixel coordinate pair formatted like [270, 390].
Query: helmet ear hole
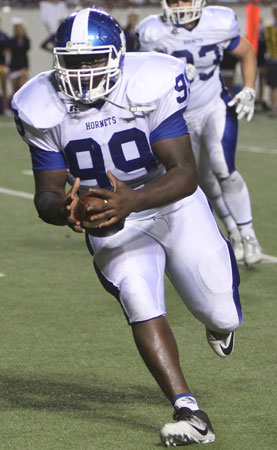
[89, 55]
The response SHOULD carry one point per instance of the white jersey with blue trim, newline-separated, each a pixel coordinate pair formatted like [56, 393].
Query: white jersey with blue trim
[89, 140]
[202, 46]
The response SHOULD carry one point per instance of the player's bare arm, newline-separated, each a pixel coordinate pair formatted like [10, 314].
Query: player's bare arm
[248, 61]
[179, 181]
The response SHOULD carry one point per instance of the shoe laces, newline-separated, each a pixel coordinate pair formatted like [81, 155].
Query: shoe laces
[182, 414]
[186, 413]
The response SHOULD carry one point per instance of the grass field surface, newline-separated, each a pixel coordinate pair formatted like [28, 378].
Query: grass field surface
[71, 377]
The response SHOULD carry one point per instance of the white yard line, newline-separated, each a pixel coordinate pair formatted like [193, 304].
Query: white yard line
[269, 259]
[16, 193]
[268, 151]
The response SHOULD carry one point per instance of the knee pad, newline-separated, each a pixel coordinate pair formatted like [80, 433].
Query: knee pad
[139, 301]
[225, 321]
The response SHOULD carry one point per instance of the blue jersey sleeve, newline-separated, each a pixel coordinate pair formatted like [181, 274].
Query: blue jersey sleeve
[233, 44]
[173, 126]
[46, 160]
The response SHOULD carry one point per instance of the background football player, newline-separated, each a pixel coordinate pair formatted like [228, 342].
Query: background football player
[199, 36]
[114, 124]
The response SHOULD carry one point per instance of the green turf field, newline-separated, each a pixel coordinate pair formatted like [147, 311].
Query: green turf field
[70, 376]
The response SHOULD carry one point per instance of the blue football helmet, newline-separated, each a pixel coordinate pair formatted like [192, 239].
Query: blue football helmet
[85, 37]
[180, 15]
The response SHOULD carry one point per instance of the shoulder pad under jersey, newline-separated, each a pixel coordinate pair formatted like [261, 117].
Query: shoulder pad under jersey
[154, 77]
[38, 104]
[222, 20]
[151, 28]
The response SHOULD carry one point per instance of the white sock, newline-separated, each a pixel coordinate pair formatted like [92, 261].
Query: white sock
[185, 401]
[247, 230]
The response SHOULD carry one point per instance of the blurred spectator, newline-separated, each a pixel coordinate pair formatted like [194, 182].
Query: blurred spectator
[19, 46]
[227, 70]
[51, 13]
[271, 45]
[260, 104]
[129, 30]
[19, 3]
[4, 46]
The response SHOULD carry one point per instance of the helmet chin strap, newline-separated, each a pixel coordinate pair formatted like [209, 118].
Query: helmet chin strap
[132, 108]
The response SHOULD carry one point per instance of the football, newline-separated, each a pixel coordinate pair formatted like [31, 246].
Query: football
[85, 208]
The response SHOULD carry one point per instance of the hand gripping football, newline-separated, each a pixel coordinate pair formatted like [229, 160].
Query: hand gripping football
[87, 206]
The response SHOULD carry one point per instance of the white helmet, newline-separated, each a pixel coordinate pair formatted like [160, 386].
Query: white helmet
[87, 34]
[180, 15]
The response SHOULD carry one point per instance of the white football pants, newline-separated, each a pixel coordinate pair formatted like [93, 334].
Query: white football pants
[186, 244]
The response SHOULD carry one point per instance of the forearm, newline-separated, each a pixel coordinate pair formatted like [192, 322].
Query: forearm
[248, 62]
[172, 186]
[179, 181]
[249, 70]
[50, 208]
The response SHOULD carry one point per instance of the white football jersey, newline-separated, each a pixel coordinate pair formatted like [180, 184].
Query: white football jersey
[90, 140]
[202, 46]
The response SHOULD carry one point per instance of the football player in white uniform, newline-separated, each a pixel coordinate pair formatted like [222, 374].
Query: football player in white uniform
[51, 13]
[114, 124]
[199, 36]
